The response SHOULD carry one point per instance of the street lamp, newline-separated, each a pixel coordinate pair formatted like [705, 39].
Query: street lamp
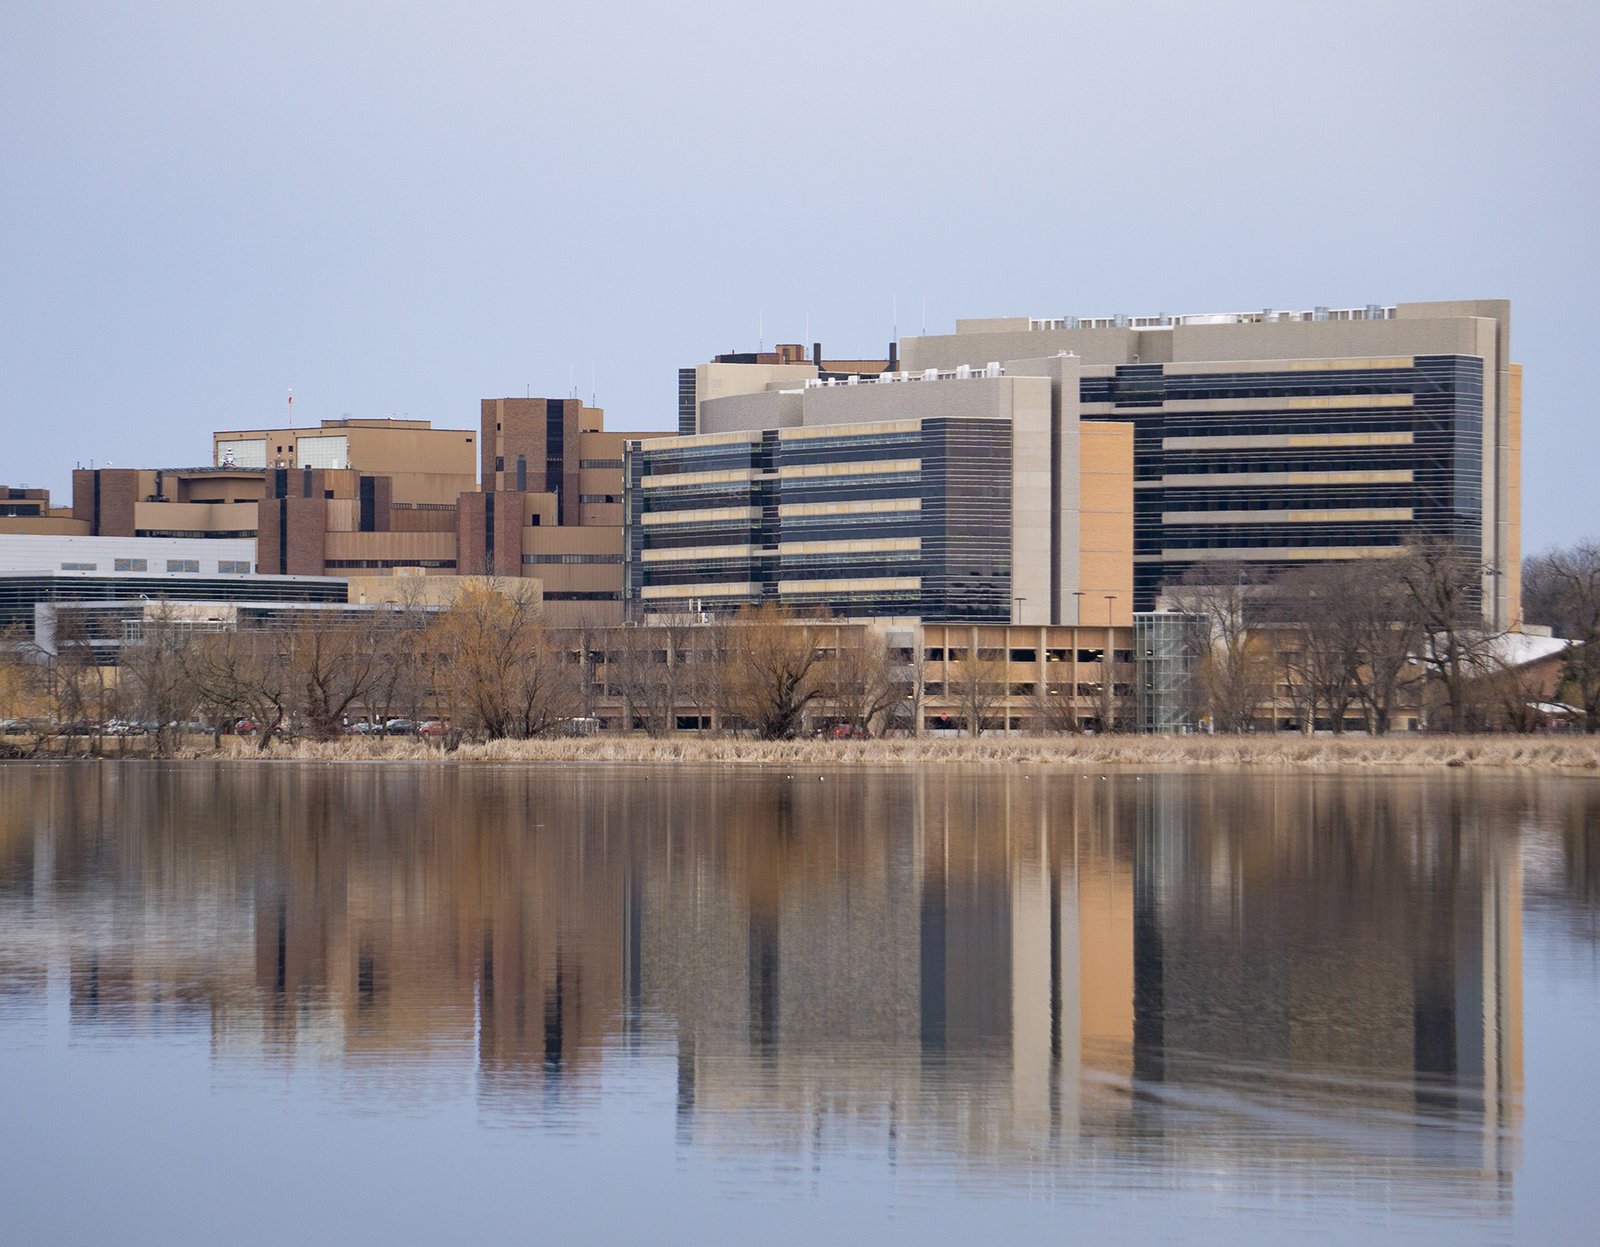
[1077, 617]
[1108, 675]
[1017, 618]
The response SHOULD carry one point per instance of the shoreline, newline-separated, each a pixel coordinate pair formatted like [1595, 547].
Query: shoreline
[1555, 754]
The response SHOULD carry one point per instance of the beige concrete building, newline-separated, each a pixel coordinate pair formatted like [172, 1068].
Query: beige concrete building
[785, 366]
[367, 498]
[427, 465]
[24, 510]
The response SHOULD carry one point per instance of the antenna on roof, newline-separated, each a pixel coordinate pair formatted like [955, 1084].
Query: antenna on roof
[924, 316]
[894, 317]
[761, 330]
[291, 407]
[594, 385]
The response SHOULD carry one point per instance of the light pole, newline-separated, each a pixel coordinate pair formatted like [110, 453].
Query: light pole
[1077, 605]
[1017, 618]
[1108, 673]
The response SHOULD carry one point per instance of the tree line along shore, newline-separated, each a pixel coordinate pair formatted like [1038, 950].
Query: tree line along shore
[1315, 646]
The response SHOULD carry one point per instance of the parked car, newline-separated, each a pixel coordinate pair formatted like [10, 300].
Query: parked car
[431, 727]
[400, 727]
[363, 727]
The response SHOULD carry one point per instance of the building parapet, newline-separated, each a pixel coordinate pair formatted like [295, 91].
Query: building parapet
[1371, 311]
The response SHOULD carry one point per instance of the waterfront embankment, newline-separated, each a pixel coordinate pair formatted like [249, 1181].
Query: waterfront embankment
[1407, 752]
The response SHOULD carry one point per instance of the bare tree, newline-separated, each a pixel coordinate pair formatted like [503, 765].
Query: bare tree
[704, 648]
[913, 675]
[403, 683]
[640, 667]
[76, 685]
[335, 663]
[1113, 700]
[154, 676]
[588, 636]
[976, 683]
[1316, 613]
[773, 669]
[1446, 589]
[1388, 640]
[1562, 588]
[865, 682]
[243, 674]
[24, 690]
[1509, 695]
[1235, 667]
[17, 688]
[505, 675]
[1055, 708]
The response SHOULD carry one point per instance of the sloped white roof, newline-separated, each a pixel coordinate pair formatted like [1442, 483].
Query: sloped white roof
[1518, 649]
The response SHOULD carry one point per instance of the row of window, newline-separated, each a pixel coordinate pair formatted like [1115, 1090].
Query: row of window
[958, 653]
[184, 534]
[538, 559]
[227, 567]
[388, 563]
[934, 688]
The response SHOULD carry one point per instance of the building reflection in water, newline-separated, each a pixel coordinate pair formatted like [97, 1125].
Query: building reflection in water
[1018, 971]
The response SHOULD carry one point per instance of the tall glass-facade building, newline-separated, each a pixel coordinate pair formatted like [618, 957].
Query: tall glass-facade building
[925, 498]
[1277, 466]
[1280, 438]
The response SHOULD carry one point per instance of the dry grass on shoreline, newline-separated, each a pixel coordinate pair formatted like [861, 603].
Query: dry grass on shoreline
[1544, 753]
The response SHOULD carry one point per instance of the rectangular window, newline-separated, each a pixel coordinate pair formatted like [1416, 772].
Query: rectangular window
[183, 565]
[245, 452]
[79, 567]
[234, 567]
[131, 565]
[326, 451]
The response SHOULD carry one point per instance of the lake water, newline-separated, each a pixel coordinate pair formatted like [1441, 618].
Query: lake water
[410, 1004]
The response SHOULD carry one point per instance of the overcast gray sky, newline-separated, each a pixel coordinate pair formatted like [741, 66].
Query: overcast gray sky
[400, 208]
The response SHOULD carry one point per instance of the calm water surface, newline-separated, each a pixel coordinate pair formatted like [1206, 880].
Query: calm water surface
[406, 1004]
